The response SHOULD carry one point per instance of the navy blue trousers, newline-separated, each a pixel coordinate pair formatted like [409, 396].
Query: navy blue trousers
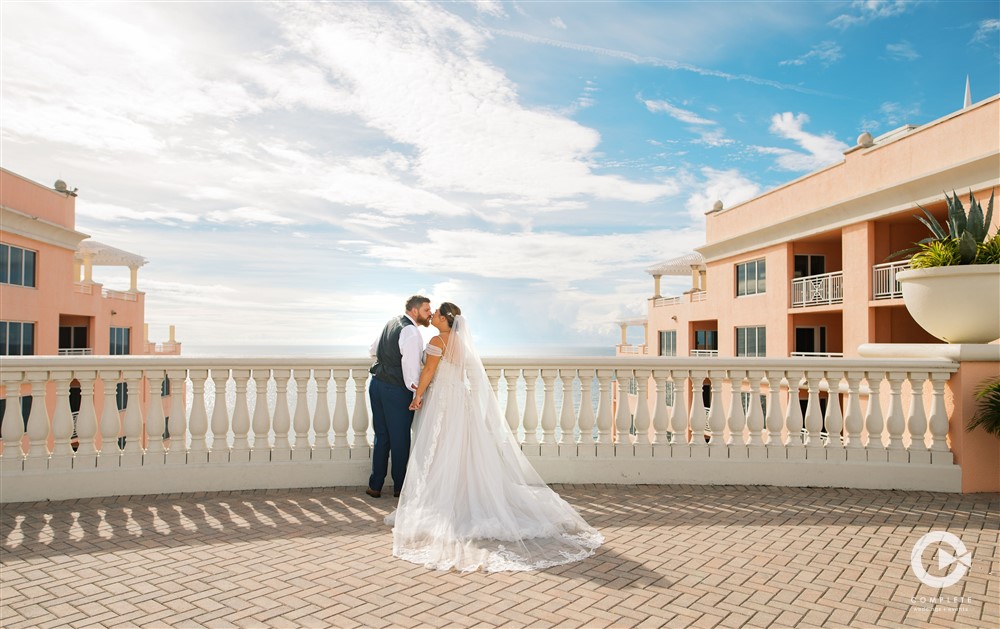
[391, 419]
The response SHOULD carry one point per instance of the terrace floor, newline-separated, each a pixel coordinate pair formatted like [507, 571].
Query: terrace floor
[676, 556]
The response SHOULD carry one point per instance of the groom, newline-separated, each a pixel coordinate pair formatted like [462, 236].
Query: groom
[395, 375]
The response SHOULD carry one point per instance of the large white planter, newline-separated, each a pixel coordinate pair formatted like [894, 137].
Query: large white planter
[957, 304]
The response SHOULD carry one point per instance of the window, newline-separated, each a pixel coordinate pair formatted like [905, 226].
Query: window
[751, 341]
[17, 338]
[810, 340]
[120, 341]
[750, 277]
[668, 343]
[17, 266]
[73, 337]
[806, 265]
[706, 339]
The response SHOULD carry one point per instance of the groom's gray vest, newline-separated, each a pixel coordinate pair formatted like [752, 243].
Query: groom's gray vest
[388, 365]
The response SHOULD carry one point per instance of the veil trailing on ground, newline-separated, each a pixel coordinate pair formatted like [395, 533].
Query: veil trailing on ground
[471, 499]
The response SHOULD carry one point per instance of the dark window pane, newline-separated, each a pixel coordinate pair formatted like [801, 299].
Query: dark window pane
[80, 337]
[761, 276]
[762, 341]
[741, 279]
[65, 337]
[818, 265]
[126, 340]
[3, 338]
[741, 341]
[14, 339]
[29, 268]
[28, 339]
[121, 395]
[4, 264]
[801, 266]
[16, 266]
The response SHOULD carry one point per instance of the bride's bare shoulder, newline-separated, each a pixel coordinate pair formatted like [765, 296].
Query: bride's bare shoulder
[437, 341]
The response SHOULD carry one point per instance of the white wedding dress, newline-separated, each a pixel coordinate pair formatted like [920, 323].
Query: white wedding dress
[471, 500]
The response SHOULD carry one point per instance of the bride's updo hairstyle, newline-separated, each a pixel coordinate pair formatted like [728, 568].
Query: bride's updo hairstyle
[449, 311]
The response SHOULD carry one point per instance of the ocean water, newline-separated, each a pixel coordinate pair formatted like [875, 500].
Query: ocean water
[357, 351]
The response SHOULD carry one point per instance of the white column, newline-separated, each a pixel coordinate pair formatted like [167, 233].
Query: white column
[604, 418]
[773, 419]
[661, 415]
[282, 422]
[199, 416]
[178, 418]
[220, 418]
[261, 417]
[874, 422]
[110, 421]
[360, 420]
[813, 418]
[86, 421]
[894, 420]
[656, 285]
[549, 407]
[939, 417]
[736, 418]
[567, 419]
[38, 423]
[341, 419]
[623, 416]
[62, 422]
[511, 412]
[132, 424]
[853, 420]
[13, 424]
[240, 451]
[530, 421]
[679, 413]
[321, 418]
[586, 417]
[300, 420]
[155, 419]
[834, 416]
[133, 279]
[755, 418]
[916, 421]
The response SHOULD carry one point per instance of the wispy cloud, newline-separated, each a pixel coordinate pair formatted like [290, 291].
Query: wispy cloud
[865, 11]
[656, 62]
[902, 51]
[826, 53]
[817, 150]
[558, 23]
[708, 131]
[986, 31]
[729, 186]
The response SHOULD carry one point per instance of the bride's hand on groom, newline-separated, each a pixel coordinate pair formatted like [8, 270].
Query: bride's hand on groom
[418, 400]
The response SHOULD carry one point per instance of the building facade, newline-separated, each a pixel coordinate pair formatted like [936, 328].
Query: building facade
[50, 303]
[803, 269]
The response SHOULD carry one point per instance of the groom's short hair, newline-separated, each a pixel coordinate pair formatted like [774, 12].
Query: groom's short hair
[415, 302]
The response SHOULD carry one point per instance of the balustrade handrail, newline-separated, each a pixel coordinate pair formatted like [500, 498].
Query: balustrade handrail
[256, 412]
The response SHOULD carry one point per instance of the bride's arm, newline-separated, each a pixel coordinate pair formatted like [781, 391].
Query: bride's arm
[427, 374]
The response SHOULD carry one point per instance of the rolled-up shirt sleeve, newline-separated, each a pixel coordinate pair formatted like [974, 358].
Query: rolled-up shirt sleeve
[411, 345]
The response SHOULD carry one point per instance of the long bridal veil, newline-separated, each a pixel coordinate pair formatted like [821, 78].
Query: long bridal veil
[471, 499]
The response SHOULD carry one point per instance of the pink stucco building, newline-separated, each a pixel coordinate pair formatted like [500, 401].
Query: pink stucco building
[802, 270]
[50, 302]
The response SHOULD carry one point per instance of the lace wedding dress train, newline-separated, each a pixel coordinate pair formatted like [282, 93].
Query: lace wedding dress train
[471, 500]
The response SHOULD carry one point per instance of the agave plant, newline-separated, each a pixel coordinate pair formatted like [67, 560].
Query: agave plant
[963, 239]
[988, 411]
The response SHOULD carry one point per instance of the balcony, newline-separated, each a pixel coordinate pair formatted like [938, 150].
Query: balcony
[627, 350]
[704, 353]
[818, 290]
[884, 284]
[690, 297]
[78, 351]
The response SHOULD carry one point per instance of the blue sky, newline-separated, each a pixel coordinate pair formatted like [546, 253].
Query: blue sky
[294, 171]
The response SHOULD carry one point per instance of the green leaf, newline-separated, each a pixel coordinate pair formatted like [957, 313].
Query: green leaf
[956, 215]
[932, 224]
[967, 248]
[975, 223]
[989, 212]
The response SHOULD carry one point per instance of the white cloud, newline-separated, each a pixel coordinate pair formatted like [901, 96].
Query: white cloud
[896, 114]
[248, 215]
[902, 51]
[819, 150]
[986, 31]
[677, 113]
[826, 52]
[729, 186]
[558, 23]
[111, 212]
[866, 11]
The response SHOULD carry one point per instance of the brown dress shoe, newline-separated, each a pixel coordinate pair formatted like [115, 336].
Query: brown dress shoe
[371, 492]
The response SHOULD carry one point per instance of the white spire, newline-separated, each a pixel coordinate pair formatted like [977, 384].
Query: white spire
[968, 93]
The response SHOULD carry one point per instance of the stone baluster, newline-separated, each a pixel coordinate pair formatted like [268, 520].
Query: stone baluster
[814, 416]
[549, 410]
[874, 421]
[198, 422]
[623, 415]
[853, 419]
[240, 452]
[13, 424]
[939, 417]
[321, 417]
[642, 419]
[111, 424]
[341, 418]
[736, 418]
[894, 420]
[86, 421]
[586, 418]
[716, 412]
[62, 423]
[793, 411]
[679, 413]
[755, 413]
[916, 420]
[178, 417]
[282, 422]
[567, 416]
[359, 420]
[156, 422]
[661, 415]
[132, 422]
[301, 420]
[774, 419]
[604, 416]
[220, 418]
[834, 415]
[38, 423]
[530, 421]
[261, 417]
[511, 412]
[697, 417]
[493, 375]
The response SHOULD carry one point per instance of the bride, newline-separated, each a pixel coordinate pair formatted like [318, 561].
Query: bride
[471, 500]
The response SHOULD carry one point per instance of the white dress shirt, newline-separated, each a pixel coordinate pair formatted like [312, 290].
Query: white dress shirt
[411, 346]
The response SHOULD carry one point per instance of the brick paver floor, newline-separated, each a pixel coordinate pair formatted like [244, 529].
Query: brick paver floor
[676, 556]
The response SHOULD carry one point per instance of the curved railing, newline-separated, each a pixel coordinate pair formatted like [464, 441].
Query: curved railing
[243, 423]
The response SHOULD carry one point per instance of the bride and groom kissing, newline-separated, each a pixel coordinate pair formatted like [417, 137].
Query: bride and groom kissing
[471, 499]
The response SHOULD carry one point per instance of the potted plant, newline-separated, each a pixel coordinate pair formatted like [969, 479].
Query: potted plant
[953, 286]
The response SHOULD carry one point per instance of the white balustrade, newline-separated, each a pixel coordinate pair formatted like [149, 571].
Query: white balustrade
[818, 290]
[649, 413]
[884, 283]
